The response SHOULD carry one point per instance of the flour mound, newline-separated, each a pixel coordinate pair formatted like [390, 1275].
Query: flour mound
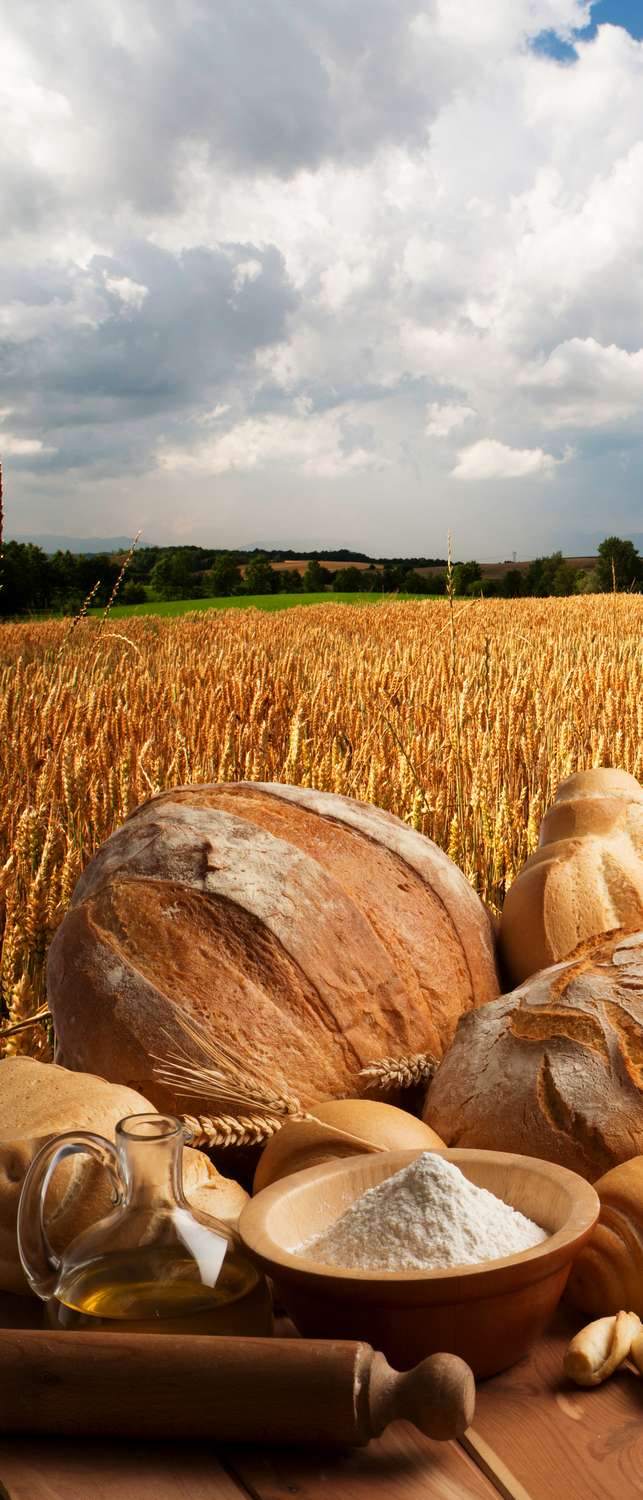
[425, 1217]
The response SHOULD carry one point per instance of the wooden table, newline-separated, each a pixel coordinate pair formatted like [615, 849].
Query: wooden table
[535, 1437]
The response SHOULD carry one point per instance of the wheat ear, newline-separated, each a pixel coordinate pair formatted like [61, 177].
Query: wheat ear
[399, 1072]
[232, 1130]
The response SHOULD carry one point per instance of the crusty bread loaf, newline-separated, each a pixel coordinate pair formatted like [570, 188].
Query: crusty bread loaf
[554, 1069]
[585, 878]
[39, 1101]
[310, 933]
[608, 1273]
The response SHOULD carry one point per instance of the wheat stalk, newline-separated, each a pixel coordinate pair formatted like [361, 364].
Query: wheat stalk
[37, 1017]
[81, 615]
[112, 598]
[226, 1079]
[399, 1072]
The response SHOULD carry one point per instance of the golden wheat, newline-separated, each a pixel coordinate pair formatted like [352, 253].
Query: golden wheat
[231, 1130]
[399, 1072]
[461, 718]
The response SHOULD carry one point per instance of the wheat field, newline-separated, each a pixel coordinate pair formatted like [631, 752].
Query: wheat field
[461, 718]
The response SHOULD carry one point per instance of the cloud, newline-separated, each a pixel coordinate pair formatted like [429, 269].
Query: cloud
[584, 384]
[489, 459]
[12, 446]
[131, 293]
[128, 340]
[17, 447]
[275, 248]
[263, 85]
[326, 446]
[441, 420]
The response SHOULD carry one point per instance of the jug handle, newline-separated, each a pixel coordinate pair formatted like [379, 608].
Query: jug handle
[40, 1262]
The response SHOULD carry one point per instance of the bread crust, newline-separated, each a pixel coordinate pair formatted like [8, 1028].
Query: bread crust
[313, 933]
[585, 878]
[608, 1273]
[554, 1069]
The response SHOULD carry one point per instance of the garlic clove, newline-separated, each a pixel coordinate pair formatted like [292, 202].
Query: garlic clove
[636, 1350]
[600, 1348]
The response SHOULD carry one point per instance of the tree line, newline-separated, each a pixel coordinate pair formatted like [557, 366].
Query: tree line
[33, 581]
[618, 566]
[170, 578]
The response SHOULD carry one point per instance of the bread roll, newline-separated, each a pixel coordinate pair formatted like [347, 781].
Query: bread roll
[608, 1273]
[309, 933]
[585, 878]
[38, 1101]
[341, 1127]
[554, 1069]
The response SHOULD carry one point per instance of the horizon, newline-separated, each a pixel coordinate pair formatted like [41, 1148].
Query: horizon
[388, 286]
[121, 543]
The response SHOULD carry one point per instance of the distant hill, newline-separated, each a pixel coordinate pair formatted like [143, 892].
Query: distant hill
[299, 564]
[88, 544]
[583, 556]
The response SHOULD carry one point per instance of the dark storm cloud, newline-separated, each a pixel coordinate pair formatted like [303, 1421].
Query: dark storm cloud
[144, 337]
[259, 85]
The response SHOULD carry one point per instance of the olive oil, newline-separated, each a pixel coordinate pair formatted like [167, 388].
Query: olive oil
[158, 1292]
[155, 1263]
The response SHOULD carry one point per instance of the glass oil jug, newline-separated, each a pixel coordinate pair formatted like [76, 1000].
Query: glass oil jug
[155, 1264]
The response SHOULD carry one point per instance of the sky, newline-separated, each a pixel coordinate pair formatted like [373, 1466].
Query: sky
[323, 272]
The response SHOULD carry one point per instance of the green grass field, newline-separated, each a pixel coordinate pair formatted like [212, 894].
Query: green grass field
[249, 601]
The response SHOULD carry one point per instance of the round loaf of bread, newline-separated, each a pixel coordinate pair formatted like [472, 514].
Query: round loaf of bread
[307, 933]
[608, 1273]
[39, 1101]
[585, 878]
[340, 1127]
[554, 1069]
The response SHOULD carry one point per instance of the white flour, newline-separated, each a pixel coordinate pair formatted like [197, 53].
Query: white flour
[426, 1216]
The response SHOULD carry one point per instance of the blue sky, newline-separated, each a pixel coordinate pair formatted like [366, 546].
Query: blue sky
[294, 271]
[625, 13]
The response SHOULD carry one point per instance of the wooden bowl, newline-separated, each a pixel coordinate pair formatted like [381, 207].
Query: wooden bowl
[488, 1313]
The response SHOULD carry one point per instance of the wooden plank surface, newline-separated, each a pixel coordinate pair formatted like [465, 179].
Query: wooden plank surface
[401, 1465]
[57, 1469]
[535, 1435]
[558, 1440]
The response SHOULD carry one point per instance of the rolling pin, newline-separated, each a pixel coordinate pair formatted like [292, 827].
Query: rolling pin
[328, 1392]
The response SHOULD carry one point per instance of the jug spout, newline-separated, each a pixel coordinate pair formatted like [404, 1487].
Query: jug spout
[150, 1153]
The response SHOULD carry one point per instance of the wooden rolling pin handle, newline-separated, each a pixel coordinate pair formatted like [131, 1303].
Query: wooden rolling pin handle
[438, 1396]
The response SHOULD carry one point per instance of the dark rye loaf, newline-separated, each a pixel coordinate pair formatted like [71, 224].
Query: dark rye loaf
[554, 1069]
[310, 933]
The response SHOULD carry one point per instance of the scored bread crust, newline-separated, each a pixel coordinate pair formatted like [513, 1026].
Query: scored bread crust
[585, 878]
[309, 933]
[554, 1069]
